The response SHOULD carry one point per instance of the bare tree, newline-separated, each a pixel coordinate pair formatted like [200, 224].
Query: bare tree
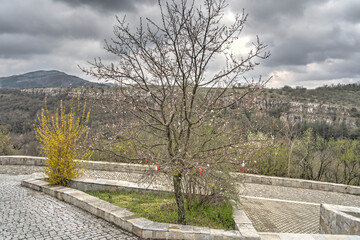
[178, 102]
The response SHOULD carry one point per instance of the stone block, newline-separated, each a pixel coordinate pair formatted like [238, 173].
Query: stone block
[140, 222]
[307, 185]
[48, 191]
[187, 229]
[217, 234]
[137, 231]
[127, 226]
[122, 213]
[118, 222]
[240, 217]
[248, 231]
[272, 236]
[161, 235]
[40, 182]
[147, 234]
[202, 230]
[174, 227]
[155, 226]
[175, 235]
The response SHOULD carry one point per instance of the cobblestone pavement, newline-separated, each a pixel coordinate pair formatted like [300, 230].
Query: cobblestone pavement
[299, 194]
[28, 214]
[282, 217]
[289, 210]
[270, 208]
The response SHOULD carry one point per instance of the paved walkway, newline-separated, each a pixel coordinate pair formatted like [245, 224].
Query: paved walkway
[28, 214]
[270, 208]
[282, 217]
[297, 236]
[289, 210]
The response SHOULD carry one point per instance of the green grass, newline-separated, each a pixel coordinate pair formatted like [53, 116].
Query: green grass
[162, 208]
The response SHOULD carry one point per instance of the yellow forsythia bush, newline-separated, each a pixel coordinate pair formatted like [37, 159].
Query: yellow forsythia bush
[62, 138]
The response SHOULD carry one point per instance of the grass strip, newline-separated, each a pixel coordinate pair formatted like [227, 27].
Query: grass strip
[162, 208]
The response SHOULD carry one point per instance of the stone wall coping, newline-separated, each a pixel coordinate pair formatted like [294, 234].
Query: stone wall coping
[21, 156]
[94, 165]
[336, 219]
[137, 225]
[83, 183]
[343, 211]
[248, 178]
[300, 183]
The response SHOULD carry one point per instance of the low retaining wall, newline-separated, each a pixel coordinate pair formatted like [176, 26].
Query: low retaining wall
[248, 178]
[300, 183]
[22, 160]
[140, 226]
[93, 165]
[335, 219]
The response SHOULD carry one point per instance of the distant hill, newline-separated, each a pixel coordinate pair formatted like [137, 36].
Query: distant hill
[44, 79]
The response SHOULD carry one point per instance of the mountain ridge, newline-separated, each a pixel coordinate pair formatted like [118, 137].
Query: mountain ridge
[44, 79]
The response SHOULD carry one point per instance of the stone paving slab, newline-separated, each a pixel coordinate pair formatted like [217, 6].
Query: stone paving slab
[292, 236]
[301, 195]
[296, 211]
[28, 214]
[279, 216]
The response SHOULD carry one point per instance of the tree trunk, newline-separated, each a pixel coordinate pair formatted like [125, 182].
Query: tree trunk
[179, 199]
[289, 158]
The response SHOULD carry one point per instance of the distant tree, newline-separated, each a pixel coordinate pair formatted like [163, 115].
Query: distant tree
[348, 157]
[312, 155]
[304, 152]
[290, 132]
[175, 97]
[6, 146]
[264, 155]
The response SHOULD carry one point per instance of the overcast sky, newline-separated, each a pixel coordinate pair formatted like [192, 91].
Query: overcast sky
[312, 42]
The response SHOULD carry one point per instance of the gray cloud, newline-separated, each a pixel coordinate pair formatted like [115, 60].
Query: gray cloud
[305, 37]
[48, 19]
[22, 45]
[311, 41]
[109, 5]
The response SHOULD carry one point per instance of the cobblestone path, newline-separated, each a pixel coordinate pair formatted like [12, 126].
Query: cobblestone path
[28, 214]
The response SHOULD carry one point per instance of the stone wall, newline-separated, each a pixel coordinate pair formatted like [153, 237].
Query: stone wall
[335, 219]
[301, 183]
[93, 165]
[22, 160]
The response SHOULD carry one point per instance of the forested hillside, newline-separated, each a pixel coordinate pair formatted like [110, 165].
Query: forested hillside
[311, 134]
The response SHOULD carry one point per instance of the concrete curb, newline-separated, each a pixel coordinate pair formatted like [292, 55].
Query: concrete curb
[137, 225]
